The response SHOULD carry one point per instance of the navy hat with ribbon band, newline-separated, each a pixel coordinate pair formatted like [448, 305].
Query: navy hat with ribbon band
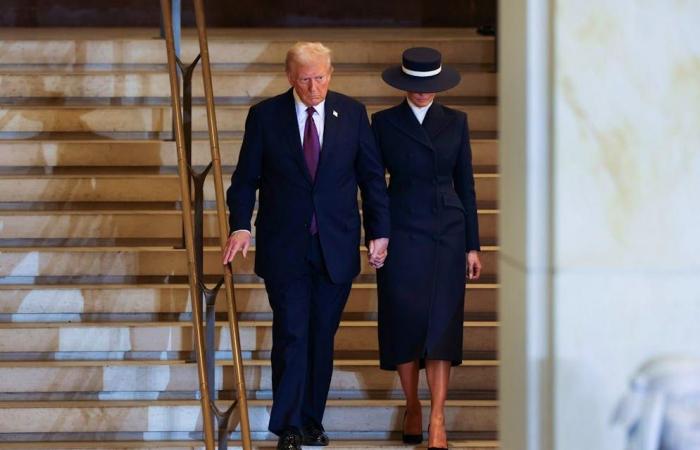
[421, 71]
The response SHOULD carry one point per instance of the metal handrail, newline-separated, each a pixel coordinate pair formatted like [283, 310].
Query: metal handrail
[193, 237]
[176, 16]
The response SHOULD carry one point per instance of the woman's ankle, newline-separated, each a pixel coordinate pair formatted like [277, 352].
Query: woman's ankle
[437, 418]
[413, 420]
[413, 407]
[437, 436]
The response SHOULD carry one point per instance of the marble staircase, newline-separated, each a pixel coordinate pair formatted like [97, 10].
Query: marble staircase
[95, 331]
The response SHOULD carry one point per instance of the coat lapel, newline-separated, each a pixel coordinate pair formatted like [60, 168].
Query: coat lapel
[291, 127]
[330, 129]
[436, 121]
[406, 121]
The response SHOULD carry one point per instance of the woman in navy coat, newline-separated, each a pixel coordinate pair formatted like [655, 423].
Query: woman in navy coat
[434, 235]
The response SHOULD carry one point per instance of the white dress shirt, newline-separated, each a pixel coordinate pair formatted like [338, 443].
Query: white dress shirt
[419, 111]
[319, 117]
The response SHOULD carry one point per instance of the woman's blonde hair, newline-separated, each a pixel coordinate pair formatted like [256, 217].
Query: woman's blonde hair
[306, 52]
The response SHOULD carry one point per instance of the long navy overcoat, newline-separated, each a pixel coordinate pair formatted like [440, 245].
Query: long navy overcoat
[433, 225]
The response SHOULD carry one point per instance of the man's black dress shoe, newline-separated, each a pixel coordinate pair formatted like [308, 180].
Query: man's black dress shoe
[314, 436]
[289, 440]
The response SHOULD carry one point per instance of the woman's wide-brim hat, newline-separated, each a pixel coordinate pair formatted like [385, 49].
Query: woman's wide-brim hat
[421, 71]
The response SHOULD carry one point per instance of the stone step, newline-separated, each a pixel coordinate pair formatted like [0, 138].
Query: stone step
[38, 115]
[19, 257]
[172, 296]
[155, 319]
[345, 440]
[340, 441]
[257, 358]
[151, 149]
[166, 281]
[353, 335]
[101, 378]
[135, 224]
[133, 184]
[237, 80]
[349, 444]
[380, 416]
[249, 45]
[160, 220]
[223, 395]
[106, 376]
[257, 445]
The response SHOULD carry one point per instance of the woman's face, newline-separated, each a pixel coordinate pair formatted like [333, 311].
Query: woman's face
[420, 99]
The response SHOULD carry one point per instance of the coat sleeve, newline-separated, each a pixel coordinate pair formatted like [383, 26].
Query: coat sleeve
[463, 176]
[245, 180]
[371, 179]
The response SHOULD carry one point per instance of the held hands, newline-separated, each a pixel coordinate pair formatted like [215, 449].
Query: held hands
[377, 252]
[238, 241]
[473, 265]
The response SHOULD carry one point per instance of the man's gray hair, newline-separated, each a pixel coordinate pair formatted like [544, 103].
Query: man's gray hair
[306, 52]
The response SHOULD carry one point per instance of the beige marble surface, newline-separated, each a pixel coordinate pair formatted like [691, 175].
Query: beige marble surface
[600, 261]
[234, 84]
[627, 109]
[119, 45]
[626, 144]
[107, 119]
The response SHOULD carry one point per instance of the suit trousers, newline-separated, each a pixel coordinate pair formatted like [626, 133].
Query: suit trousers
[306, 315]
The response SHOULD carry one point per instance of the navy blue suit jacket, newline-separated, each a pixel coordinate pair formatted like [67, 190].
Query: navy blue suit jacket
[272, 161]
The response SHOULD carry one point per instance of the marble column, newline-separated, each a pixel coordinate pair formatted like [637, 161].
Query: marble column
[600, 154]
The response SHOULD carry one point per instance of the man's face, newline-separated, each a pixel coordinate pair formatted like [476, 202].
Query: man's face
[310, 80]
[420, 99]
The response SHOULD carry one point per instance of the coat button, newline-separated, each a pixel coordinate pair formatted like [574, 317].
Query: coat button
[436, 237]
[435, 210]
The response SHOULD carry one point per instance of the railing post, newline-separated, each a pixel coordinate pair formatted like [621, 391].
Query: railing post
[194, 238]
[195, 296]
[176, 17]
[177, 25]
[223, 224]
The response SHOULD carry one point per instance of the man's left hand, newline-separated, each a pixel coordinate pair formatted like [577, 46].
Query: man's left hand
[377, 252]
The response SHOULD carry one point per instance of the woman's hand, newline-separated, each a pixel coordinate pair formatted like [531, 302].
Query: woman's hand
[473, 265]
[377, 252]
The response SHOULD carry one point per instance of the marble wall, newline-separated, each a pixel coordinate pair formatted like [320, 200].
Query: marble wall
[620, 160]
[626, 206]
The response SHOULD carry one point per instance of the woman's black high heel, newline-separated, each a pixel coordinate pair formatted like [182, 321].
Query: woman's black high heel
[414, 439]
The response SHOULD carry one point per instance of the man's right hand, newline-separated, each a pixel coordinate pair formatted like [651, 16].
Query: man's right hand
[377, 252]
[238, 241]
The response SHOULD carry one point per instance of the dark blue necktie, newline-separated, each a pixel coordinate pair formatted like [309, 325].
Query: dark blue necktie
[312, 151]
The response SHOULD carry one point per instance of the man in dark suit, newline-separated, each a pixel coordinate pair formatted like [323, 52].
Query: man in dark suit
[307, 151]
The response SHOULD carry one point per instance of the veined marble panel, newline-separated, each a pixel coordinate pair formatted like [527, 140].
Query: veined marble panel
[627, 134]
[626, 145]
